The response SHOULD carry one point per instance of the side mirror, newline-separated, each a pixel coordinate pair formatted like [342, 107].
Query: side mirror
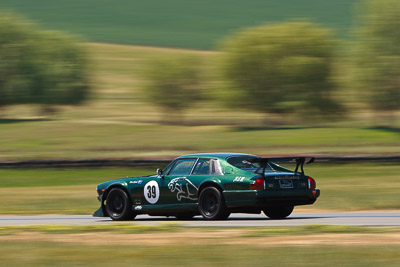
[159, 173]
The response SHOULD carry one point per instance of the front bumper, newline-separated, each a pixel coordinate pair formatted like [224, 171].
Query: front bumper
[268, 198]
[99, 212]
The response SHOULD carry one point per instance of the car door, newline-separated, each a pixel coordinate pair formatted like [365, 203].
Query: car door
[190, 185]
[175, 186]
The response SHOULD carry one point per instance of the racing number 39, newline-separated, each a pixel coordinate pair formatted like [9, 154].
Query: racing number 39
[151, 192]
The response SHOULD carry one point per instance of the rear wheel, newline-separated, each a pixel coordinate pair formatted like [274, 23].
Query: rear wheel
[212, 204]
[278, 212]
[119, 205]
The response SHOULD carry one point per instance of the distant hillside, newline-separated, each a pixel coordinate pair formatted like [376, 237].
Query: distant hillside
[175, 23]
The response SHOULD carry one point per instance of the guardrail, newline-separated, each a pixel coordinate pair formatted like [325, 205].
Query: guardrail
[68, 163]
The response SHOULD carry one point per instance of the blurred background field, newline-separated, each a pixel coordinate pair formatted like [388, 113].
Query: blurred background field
[119, 122]
[176, 23]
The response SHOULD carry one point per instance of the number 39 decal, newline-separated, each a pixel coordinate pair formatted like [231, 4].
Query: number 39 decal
[152, 192]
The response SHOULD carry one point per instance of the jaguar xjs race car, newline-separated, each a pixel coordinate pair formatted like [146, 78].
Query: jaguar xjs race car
[212, 185]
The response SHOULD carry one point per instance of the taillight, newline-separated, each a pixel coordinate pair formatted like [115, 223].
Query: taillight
[311, 183]
[258, 184]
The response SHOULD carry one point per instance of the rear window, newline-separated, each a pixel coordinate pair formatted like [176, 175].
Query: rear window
[243, 162]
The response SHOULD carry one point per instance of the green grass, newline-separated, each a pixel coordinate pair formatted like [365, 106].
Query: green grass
[175, 23]
[66, 177]
[318, 229]
[124, 228]
[71, 139]
[61, 245]
[56, 191]
[357, 186]
[49, 200]
[23, 253]
[120, 228]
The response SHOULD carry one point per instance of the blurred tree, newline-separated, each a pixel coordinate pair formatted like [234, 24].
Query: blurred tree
[15, 39]
[281, 68]
[39, 67]
[378, 53]
[174, 84]
[59, 71]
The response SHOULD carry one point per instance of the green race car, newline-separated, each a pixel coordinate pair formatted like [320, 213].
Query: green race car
[213, 185]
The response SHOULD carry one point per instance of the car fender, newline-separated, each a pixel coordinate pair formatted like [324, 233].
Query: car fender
[121, 184]
[112, 184]
[212, 181]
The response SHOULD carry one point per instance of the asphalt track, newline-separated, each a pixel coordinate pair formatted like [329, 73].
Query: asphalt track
[370, 218]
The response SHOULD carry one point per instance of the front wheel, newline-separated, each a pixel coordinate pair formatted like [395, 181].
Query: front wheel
[278, 212]
[212, 205]
[118, 205]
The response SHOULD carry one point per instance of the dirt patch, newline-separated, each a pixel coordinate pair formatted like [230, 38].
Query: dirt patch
[223, 237]
[326, 239]
[184, 237]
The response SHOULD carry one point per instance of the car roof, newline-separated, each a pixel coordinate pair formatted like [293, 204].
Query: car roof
[223, 155]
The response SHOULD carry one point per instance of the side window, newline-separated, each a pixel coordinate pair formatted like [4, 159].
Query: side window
[202, 167]
[168, 168]
[215, 167]
[182, 167]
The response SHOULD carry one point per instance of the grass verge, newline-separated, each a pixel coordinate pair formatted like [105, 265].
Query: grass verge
[129, 228]
[120, 228]
[74, 139]
[102, 246]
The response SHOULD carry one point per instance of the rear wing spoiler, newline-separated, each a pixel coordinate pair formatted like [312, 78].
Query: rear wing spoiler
[300, 161]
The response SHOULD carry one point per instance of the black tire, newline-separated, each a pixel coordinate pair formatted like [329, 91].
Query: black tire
[212, 204]
[184, 216]
[278, 212]
[119, 205]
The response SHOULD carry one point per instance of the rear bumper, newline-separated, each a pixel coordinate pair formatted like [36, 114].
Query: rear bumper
[268, 198]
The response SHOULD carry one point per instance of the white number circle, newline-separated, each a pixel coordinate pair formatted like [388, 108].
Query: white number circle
[152, 192]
